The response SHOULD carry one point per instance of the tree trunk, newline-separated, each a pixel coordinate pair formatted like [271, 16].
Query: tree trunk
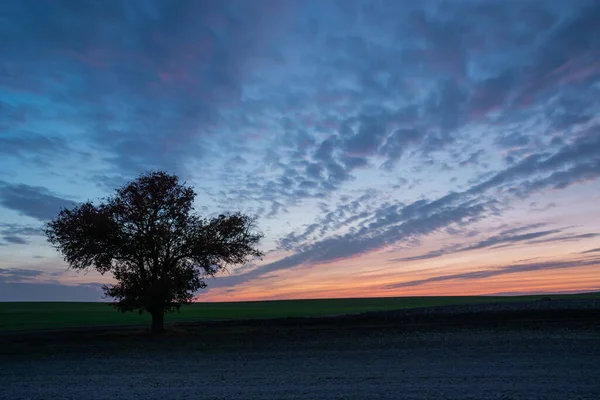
[158, 322]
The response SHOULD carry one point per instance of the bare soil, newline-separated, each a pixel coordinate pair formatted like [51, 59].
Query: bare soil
[541, 350]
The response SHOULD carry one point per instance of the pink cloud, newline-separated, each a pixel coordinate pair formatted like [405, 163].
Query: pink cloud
[255, 136]
[571, 72]
[367, 151]
[486, 100]
[331, 124]
[581, 74]
[93, 57]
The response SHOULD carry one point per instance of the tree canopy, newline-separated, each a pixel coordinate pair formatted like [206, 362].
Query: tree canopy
[149, 238]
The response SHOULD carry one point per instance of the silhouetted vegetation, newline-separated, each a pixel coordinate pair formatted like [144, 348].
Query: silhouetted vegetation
[148, 236]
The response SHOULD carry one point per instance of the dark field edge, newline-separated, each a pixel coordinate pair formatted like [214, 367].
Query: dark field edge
[539, 314]
[476, 314]
[228, 319]
[579, 316]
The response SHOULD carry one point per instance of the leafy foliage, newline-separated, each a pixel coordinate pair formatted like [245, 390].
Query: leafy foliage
[148, 236]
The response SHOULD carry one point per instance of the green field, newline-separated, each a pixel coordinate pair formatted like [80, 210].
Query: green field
[35, 316]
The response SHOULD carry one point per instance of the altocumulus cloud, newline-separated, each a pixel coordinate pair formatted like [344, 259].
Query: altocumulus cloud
[348, 127]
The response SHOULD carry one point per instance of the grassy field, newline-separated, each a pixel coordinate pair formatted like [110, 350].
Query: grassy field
[36, 316]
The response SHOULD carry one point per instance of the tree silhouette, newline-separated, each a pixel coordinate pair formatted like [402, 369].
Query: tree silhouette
[148, 236]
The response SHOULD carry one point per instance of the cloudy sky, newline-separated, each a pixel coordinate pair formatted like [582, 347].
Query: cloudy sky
[388, 148]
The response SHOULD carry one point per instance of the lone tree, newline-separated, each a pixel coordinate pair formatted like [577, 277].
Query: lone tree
[148, 236]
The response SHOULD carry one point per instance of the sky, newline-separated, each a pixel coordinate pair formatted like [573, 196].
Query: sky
[387, 148]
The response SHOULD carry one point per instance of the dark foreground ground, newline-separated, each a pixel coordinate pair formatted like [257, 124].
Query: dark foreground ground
[535, 350]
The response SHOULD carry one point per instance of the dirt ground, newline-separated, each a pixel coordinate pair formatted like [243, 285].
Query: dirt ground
[335, 363]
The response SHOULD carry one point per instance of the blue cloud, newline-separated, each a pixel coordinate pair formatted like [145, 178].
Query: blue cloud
[14, 239]
[22, 291]
[503, 239]
[488, 273]
[15, 273]
[32, 201]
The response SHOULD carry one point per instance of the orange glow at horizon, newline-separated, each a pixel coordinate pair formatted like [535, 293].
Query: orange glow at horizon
[340, 284]
[586, 279]
[453, 274]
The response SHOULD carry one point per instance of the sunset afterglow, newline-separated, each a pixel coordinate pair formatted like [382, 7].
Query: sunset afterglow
[392, 148]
